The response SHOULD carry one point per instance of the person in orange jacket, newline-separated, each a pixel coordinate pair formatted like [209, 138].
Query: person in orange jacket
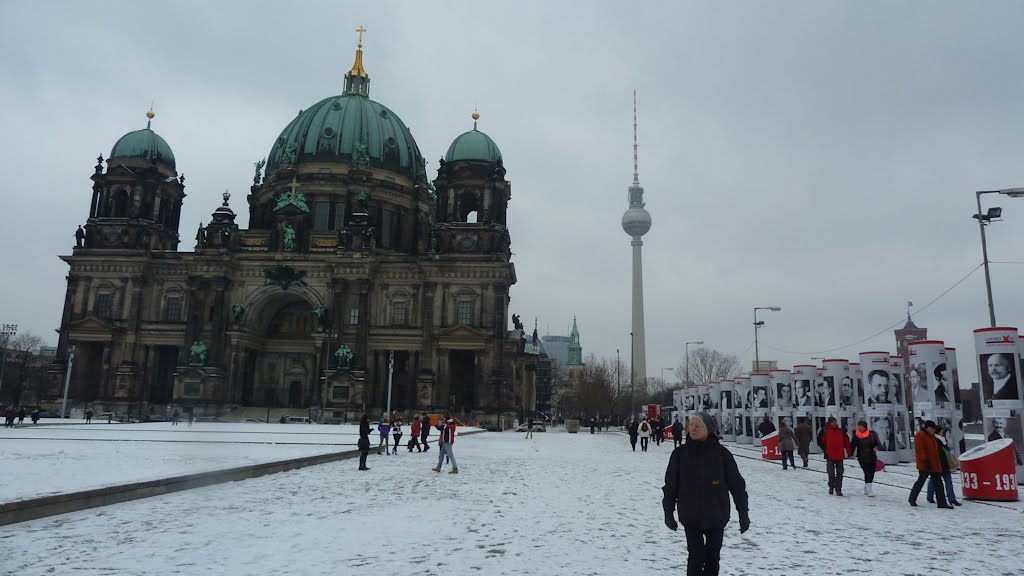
[836, 445]
[930, 464]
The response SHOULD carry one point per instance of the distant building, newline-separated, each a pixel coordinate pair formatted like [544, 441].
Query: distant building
[904, 336]
[567, 354]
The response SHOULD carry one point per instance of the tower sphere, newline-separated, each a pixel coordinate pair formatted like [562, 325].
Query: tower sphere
[636, 222]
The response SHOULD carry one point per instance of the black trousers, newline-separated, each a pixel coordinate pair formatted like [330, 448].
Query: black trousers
[922, 477]
[423, 440]
[869, 470]
[632, 442]
[787, 455]
[704, 549]
[835, 474]
[643, 443]
[362, 459]
[415, 443]
[803, 455]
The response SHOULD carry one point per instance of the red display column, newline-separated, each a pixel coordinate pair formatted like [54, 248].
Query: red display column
[988, 472]
[770, 447]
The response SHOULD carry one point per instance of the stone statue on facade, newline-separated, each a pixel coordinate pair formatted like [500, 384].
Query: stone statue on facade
[259, 168]
[289, 238]
[361, 156]
[343, 357]
[289, 154]
[197, 354]
[80, 237]
[238, 311]
[201, 237]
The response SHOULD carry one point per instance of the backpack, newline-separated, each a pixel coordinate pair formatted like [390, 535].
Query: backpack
[644, 427]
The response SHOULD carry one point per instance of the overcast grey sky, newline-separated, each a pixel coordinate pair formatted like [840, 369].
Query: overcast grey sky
[819, 156]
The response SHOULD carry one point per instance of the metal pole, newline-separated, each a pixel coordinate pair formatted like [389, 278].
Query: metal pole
[618, 376]
[632, 379]
[67, 381]
[984, 255]
[757, 356]
[391, 375]
[689, 382]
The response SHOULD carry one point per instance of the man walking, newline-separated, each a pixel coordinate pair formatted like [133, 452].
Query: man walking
[529, 428]
[414, 433]
[634, 431]
[700, 477]
[837, 447]
[645, 434]
[803, 434]
[677, 433]
[444, 446]
[929, 464]
[425, 431]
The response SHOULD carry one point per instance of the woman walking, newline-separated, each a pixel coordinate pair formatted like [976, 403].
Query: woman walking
[701, 476]
[947, 474]
[645, 434]
[787, 444]
[364, 441]
[864, 445]
[396, 431]
[414, 440]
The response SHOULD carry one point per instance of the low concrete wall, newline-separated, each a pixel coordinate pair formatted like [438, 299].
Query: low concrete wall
[24, 510]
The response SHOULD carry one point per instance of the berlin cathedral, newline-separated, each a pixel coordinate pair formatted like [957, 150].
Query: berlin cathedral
[359, 283]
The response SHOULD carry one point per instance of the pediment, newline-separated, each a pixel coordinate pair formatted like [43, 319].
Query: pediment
[461, 332]
[91, 324]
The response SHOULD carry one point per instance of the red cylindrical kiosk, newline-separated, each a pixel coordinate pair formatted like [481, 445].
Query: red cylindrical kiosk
[770, 447]
[989, 471]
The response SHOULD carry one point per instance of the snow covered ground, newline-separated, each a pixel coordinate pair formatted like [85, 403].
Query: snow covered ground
[561, 504]
[52, 459]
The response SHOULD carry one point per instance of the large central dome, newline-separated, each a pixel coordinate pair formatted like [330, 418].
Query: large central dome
[336, 129]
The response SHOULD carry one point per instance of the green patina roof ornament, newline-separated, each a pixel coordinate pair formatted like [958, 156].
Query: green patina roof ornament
[362, 196]
[292, 198]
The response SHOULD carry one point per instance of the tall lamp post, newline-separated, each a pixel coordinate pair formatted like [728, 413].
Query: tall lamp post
[689, 381]
[8, 332]
[332, 335]
[757, 355]
[618, 380]
[632, 380]
[992, 214]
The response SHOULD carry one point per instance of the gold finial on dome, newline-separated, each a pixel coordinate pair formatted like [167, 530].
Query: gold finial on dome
[476, 116]
[149, 115]
[357, 67]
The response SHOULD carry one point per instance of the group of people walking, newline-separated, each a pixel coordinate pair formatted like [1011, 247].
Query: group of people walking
[419, 432]
[645, 430]
[11, 414]
[935, 462]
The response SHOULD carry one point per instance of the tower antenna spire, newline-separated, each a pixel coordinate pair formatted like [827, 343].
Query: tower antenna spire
[636, 171]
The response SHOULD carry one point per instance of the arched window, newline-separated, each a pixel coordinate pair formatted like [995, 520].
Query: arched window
[173, 305]
[103, 306]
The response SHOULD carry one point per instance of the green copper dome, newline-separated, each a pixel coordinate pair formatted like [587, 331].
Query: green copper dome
[143, 144]
[349, 128]
[473, 145]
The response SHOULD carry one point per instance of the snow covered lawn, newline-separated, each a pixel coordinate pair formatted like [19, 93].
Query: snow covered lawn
[46, 460]
[561, 504]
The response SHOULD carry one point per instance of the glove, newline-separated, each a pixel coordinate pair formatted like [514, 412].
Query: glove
[744, 522]
[670, 521]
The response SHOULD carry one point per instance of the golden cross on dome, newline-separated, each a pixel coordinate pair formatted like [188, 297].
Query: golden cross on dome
[294, 184]
[360, 30]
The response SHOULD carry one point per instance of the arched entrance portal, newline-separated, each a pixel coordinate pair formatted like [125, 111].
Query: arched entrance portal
[286, 354]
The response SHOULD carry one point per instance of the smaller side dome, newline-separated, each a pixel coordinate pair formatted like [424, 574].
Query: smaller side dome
[143, 144]
[473, 145]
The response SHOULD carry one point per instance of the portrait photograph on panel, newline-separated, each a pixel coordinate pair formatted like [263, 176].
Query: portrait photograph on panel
[883, 427]
[847, 393]
[878, 387]
[825, 393]
[804, 396]
[919, 384]
[784, 395]
[998, 377]
[1006, 427]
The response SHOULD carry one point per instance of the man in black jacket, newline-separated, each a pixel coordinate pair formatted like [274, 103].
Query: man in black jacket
[677, 433]
[700, 477]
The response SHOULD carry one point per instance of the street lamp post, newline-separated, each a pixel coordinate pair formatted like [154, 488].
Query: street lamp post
[618, 380]
[689, 381]
[757, 355]
[983, 219]
[632, 380]
[67, 381]
[332, 335]
[8, 332]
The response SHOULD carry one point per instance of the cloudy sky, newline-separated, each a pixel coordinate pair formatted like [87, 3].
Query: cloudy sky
[819, 156]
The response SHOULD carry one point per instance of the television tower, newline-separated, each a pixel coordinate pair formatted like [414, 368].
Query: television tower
[636, 222]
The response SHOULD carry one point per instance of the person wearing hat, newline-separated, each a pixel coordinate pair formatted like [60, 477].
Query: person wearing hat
[836, 445]
[701, 475]
[929, 464]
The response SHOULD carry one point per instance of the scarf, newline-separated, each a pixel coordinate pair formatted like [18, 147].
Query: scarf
[864, 434]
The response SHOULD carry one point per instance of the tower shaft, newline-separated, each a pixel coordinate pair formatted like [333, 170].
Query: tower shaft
[639, 344]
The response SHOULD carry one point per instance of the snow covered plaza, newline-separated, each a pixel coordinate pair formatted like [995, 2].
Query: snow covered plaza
[560, 504]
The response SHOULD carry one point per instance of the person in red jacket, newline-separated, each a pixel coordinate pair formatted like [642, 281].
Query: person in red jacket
[930, 464]
[837, 447]
[415, 432]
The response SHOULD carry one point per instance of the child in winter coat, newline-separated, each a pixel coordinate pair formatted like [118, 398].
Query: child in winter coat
[384, 430]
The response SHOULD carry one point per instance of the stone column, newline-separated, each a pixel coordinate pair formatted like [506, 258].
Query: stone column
[363, 333]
